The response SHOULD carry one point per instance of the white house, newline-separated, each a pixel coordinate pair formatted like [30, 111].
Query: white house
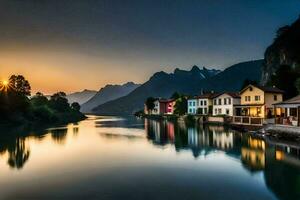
[223, 103]
[156, 109]
[200, 104]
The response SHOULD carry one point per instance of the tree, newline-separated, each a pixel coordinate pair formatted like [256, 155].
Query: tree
[59, 102]
[285, 79]
[282, 30]
[175, 95]
[150, 103]
[13, 98]
[20, 85]
[248, 82]
[180, 106]
[39, 99]
[297, 84]
[75, 106]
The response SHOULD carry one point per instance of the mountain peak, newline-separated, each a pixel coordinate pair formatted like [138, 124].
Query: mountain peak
[130, 83]
[195, 68]
[108, 93]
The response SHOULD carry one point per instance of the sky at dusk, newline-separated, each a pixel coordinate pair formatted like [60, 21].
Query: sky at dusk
[71, 45]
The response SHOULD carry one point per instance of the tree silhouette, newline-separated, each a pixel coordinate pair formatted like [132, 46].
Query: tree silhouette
[75, 106]
[285, 79]
[150, 103]
[20, 85]
[175, 95]
[180, 105]
[59, 102]
[18, 154]
[39, 99]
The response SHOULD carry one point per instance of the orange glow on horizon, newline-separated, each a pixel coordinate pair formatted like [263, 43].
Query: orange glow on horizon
[5, 82]
[4, 85]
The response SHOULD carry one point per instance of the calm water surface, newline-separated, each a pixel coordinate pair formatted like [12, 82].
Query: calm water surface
[118, 158]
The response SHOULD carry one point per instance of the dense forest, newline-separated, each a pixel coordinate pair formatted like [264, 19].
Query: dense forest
[17, 106]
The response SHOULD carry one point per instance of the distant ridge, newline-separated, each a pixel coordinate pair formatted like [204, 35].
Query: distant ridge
[81, 97]
[108, 93]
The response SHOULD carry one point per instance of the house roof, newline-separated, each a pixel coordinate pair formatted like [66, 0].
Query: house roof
[166, 100]
[294, 100]
[264, 88]
[232, 94]
[204, 96]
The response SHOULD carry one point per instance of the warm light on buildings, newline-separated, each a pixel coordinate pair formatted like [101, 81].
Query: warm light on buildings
[279, 155]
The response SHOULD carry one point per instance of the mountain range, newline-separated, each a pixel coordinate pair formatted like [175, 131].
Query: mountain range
[81, 97]
[192, 82]
[108, 93]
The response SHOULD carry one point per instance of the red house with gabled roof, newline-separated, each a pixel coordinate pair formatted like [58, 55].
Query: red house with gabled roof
[166, 106]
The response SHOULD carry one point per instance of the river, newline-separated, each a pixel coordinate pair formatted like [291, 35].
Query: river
[128, 158]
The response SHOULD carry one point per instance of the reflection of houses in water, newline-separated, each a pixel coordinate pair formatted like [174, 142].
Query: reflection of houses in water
[160, 132]
[220, 139]
[282, 172]
[288, 154]
[198, 141]
[223, 141]
[203, 140]
[280, 164]
[171, 131]
[253, 154]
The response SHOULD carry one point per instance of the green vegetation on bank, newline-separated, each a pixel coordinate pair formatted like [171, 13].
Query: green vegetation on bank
[16, 106]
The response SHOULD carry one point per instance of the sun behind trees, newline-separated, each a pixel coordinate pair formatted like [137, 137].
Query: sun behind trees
[16, 105]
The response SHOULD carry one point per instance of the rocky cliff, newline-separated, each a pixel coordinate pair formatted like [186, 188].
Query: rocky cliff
[285, 50]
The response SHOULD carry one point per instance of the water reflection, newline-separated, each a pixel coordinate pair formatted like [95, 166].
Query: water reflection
[16, 150]
[253, 154]
[201, 140]
[59, 135]
[101, 150]
[279, 162]
[14, 144]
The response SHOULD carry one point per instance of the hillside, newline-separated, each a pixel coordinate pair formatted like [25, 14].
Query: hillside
[192, 82]
[81, 97]
[285, 50]
[108, 93]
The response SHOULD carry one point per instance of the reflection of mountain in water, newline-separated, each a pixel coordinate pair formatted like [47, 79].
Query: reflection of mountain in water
[279, 163]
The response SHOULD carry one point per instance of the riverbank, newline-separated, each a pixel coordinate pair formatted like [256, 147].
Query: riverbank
[23, 125]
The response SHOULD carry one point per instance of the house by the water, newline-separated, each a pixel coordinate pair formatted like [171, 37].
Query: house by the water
[257, 101]
[201, 104]
[223, 103]
[288, 112]
[254, 105]
[161, 107]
